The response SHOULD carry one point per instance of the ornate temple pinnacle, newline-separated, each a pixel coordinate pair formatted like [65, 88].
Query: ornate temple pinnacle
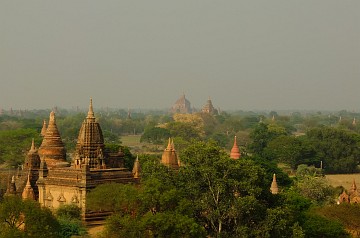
[169, 144]
[32, 149]
[52, 118]
[90, 114]
[274, 189]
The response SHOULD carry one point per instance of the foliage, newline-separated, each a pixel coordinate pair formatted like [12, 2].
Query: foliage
[14, 144]
[69, 211]
[318, 226]
[69, 217]
[156, 135]
[304, 171]
[271, 168]
[346, 214]
[315, 188]
[71, 227]
[290, 150]
[262, 134]
[211, 195]
[338, 149]
[18, 216]
[184, 130]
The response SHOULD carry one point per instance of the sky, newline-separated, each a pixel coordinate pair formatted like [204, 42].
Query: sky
[244, 55]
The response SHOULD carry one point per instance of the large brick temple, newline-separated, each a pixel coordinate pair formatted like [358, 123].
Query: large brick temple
[53, 181]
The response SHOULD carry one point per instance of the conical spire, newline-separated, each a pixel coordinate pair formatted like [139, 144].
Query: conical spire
[353, 186]
[169, 146]
[12, 186]
[90, 115]
[28, 192]
[172, 145]
[32, 149]
[235, 152]
[43, 129]
[274, 187]
[52, 147]
[136, 169]
[169, 156]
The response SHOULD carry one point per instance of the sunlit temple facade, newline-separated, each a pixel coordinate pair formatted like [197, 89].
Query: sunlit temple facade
[53, 181]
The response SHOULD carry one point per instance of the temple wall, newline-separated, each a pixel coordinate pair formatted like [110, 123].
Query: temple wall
[55, 196]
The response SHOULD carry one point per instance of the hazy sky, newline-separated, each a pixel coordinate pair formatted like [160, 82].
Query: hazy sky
[247, 55]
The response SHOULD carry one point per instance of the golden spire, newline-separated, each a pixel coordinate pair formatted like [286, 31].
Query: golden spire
[274, 187]
[353, 186]
[33, 148]
[52, 119]
[172, 144]
[169, 145]
[136, 169]
[169, 157]
[43, 129]
[28, 192]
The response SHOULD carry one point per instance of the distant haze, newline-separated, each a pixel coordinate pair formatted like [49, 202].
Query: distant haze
[255, 54]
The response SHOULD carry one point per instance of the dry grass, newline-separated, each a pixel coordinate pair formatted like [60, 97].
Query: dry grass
[95, 231]
[131, 140]
[344, 180]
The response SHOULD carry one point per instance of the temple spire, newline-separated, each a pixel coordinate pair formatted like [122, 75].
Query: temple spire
[169, 146]
[172, 144]
[274, 189]
[43, 129]
[353, 186]
[136, 169]
[32, 149]
[90, 115]
[169, 156]
[52, 119]
[11, 190]
[28, 192]
[354, 122]
[235, 152]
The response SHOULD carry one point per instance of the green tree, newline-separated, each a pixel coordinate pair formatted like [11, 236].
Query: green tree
[262, 134]
[20, 218]
[14, 144]
[156, 135]
[290, 150]
[338, 149]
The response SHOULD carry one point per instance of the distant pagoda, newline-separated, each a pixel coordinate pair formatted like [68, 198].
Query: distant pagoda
[182, 105]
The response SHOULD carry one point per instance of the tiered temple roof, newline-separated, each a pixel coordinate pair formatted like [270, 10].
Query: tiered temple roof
[169, 156]
[28, 192]
[182, 105]
[209, 108]
[90, 144]
[52, 148]
[353, 196]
